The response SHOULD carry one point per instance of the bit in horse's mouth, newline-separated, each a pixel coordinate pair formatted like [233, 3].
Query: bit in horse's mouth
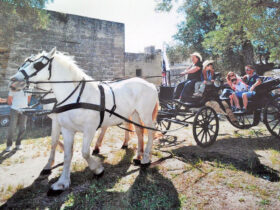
[16, 86]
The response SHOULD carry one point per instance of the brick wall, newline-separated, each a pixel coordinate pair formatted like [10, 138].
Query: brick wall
[98, 45]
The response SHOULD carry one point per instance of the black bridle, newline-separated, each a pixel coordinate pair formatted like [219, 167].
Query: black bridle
[38, 66]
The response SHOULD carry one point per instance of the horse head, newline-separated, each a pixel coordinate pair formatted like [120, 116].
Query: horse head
[33, 69]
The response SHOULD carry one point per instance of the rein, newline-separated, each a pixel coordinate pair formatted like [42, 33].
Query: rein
[101, 108]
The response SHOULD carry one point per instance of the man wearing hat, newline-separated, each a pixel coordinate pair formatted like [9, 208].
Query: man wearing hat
[207, 78]
[184, 90]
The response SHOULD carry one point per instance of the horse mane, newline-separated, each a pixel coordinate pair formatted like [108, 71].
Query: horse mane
[70, 63]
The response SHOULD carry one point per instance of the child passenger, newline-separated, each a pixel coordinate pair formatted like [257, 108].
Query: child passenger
[208, 78]
[239, 88]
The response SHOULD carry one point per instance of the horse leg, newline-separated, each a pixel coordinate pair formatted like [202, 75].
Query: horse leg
[94, 165]
[149, 119]
[99, 140]
[126, 136]
[146, 155]
[55, 140]
[64, 180]
[139, 132]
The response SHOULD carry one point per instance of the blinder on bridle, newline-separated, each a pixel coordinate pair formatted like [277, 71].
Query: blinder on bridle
[38, 66]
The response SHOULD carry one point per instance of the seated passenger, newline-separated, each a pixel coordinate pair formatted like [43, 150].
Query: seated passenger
[252, 80]
[239, 87]
[184, 90]
[208, 78]
[230, 91]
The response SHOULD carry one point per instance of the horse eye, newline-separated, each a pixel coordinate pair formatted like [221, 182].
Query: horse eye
[38, 66]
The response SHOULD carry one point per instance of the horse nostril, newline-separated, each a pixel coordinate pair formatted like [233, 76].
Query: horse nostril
[13, 79]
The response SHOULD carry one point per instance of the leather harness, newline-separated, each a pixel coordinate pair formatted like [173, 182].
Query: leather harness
[58, 109]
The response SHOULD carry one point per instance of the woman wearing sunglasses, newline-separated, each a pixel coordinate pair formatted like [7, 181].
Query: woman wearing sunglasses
[229, 92]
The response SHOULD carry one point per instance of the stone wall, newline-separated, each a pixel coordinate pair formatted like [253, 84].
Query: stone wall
[98, 45]
[148, 63]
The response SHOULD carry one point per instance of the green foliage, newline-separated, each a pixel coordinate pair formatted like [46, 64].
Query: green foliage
[164, 5]
[177, 53]
[16, 12]
[232, 31]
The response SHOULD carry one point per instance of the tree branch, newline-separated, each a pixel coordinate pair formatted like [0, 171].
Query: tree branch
[265, 3]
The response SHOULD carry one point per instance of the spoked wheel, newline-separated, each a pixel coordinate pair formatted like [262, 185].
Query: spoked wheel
[245, 120]
[205, 126]
[163, 126]
[272, 118]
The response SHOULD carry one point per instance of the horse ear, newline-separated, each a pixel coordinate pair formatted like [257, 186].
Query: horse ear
[52, 52]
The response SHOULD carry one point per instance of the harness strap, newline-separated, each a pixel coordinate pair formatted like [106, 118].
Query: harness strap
[81, 91]
[48, 101]
[96, 107]
[70, 94]
[50, 68]
[114, 98]
[68, 107]
[24, 74]
[102, 105]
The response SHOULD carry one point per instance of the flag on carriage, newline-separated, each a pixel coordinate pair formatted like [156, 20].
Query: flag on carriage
[165, 67]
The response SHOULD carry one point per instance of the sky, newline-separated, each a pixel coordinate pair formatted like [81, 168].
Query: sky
[143, 26]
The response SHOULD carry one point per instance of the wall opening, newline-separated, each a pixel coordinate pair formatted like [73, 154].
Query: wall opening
[138, 72]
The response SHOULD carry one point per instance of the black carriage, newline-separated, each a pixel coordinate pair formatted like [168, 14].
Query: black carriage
[264, 106]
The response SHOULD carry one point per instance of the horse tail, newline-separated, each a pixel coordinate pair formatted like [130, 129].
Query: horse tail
[61, 145]
[131, 127]
[155, 112]
[157, 134]
[143, 130]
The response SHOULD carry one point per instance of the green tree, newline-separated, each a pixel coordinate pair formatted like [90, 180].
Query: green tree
[231, 30]
[15, 12]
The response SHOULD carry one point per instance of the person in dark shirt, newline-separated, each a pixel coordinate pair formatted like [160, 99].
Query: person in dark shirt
[252, 80]
[184, 90]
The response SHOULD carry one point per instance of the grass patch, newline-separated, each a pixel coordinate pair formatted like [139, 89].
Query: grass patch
[264, 202]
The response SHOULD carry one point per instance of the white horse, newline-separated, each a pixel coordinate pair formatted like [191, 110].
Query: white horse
[134, 97]
[56, 129]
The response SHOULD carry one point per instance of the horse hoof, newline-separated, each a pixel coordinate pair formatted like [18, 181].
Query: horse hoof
[45, 172]
[95, 151]
[137, 162]
[97, 176]
[145, 165]
[52, 192]
[124, 146]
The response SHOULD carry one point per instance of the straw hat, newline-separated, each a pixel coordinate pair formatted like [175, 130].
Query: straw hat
[207, 62]
[197, 55]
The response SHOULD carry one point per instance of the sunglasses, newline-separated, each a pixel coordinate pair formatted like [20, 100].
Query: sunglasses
[249, 69]
[233, 80]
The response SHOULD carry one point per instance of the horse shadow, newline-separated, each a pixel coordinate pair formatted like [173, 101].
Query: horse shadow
[238, 152]
[5, 155]
[87, 191]
[167, 142]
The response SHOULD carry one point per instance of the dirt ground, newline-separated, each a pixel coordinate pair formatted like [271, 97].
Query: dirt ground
[240, 171]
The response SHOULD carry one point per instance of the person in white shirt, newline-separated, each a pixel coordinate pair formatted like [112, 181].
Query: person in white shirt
[17, 100]
[239, 87]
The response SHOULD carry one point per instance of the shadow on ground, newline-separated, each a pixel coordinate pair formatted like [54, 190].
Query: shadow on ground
[32, 131]
[149, 190]
[5, 155]
[239, 152]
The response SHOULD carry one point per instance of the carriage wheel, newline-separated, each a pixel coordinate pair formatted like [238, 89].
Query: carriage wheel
[272, 118]
[205, 126]
[245, 121]
[164, 126]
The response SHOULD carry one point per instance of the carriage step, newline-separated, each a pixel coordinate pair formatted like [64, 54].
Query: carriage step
[176, 121]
